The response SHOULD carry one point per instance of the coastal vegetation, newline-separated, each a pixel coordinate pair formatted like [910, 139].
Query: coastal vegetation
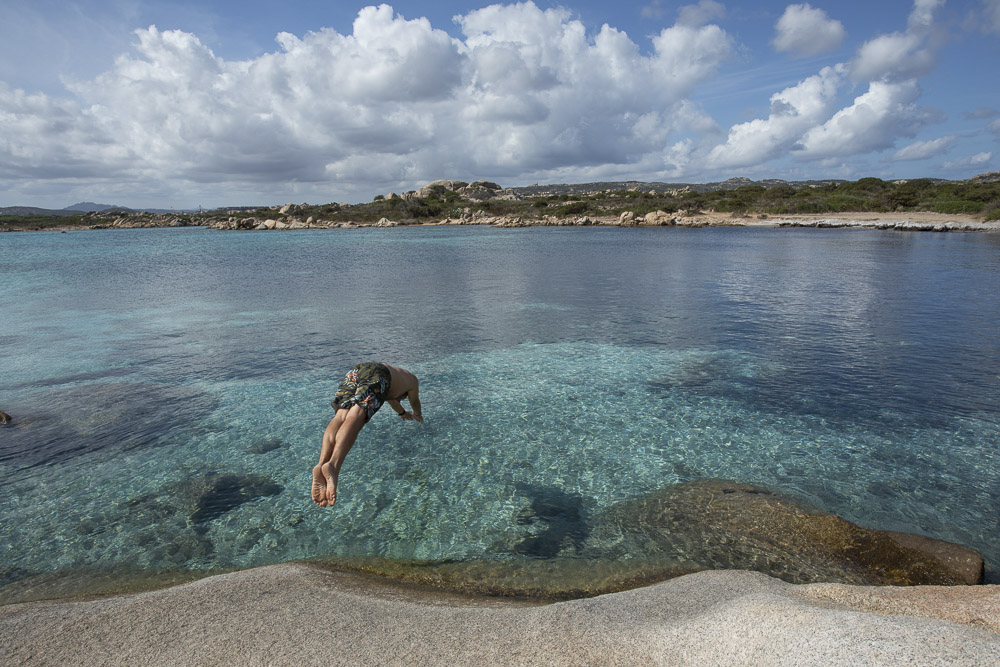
[978, 198]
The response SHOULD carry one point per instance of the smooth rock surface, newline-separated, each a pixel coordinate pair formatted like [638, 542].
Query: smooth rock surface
[297, 614]
[720, 524]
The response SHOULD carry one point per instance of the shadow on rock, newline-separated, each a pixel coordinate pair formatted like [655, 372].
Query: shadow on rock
[720, 524]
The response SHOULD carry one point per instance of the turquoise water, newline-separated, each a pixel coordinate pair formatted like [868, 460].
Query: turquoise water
[170, 387]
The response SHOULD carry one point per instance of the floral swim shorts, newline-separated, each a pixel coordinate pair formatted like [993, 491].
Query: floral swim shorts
[365, 385]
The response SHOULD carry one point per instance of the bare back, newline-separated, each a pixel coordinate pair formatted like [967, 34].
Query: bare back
[402, 385]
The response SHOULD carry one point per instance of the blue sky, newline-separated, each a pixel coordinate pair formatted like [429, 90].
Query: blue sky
[179, 104]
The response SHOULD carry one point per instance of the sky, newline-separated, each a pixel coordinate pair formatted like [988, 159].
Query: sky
[187, 103]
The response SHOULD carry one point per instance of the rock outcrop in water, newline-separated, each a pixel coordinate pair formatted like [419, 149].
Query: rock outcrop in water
[719, 524]
[5, 418]
[210, 496]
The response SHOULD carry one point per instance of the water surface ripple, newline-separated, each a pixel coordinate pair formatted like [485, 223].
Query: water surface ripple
[170, 387]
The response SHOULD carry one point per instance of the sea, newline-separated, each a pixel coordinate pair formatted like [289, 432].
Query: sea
[169, 388]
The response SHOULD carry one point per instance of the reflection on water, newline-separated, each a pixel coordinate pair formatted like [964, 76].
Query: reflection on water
[170, 387]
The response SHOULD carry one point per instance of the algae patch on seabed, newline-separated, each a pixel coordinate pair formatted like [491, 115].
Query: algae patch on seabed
[548, 579]
[20, 587]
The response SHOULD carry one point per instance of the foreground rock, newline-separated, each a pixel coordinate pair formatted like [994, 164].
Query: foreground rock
[719, 524]
[5, 418]
[296, 614]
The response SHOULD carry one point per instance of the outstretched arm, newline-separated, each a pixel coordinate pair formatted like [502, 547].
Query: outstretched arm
[414, 399]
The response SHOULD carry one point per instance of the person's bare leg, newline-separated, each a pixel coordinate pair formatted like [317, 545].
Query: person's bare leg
[325, 452]
[344, 439]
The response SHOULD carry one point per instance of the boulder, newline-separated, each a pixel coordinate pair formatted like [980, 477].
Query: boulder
[269, 224]
[725, 525]
[206, 498]
[386, 222]
[626, 219]
[429, 189]
[5, 418]
[281, 225]
[658, 218]
[265, 446]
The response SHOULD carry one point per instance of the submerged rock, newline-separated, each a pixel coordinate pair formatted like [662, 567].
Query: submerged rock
[5, 418]
[206, 498]
[109, 416]
[265, 446]
[719, 524]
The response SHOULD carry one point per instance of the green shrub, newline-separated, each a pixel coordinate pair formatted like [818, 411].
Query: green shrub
[780, 192]
[576, 208]
[844, 203]
[958, 207]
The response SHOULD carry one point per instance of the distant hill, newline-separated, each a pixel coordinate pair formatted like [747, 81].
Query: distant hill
[78, 209]
[31, 210]
[89, 206]
[989, 177]
[587, 188]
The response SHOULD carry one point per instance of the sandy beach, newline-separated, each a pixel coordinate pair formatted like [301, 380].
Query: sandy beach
[301, 614]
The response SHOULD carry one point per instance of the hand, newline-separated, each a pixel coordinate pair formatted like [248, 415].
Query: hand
[408, 416]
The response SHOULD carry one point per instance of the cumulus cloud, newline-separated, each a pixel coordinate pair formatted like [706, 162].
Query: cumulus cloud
[793, 112]
[921, 150]
[900, 55]
[396, 102]
[805, 31]
[804, 120]
[873, 122]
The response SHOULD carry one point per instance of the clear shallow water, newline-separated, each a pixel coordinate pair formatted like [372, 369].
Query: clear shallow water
[170, 387]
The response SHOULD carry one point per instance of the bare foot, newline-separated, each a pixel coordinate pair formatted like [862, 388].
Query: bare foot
[331, 484]
[319, 487]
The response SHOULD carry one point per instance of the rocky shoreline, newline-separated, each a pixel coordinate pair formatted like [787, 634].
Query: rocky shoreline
[451, 202]
[289, 221]
[301, 614]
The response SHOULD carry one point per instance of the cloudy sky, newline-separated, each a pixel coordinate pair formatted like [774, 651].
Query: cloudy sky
[150, 103]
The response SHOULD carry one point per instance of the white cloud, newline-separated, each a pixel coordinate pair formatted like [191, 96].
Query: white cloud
[900, 55]
[994, 127]
[871, 123]
[972, 161]
[793, 112]
[700, 14]
[653, 10]
[804, 121]
[805, 31]
[921, 150]
[991, 15]
[393, 104]
[922, 16]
